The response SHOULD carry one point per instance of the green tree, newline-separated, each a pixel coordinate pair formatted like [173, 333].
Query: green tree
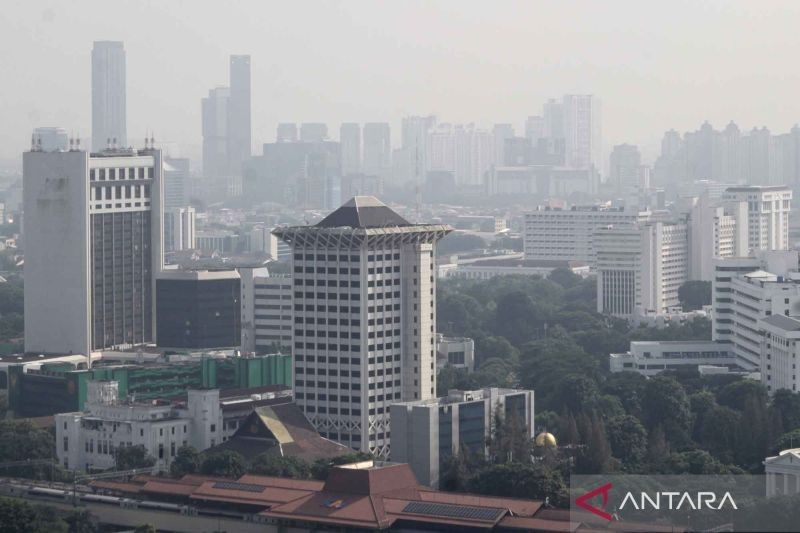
[225, 463]
[698, 462]
[564, 277]
[628, 439]
[20, 441]
[666, 404]
[789, 440]
[270, 464]
[81, 521]
[719, 432]
[694, 295]
[187, 461]
[595, 456]
[454, 475]
[130, 457]
[737, 394]
[22, 517]
[787, 404]
[516, 316]
[579, 394]
[520, 480]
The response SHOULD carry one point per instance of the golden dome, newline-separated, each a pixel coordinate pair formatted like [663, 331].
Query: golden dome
[545, 440]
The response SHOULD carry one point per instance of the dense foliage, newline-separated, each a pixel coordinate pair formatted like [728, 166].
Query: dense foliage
[545, 335]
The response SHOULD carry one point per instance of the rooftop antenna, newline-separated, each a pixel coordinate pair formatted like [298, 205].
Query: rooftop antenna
[114, 143]
[39, 143]
[71, 144]
[152, 141]
[33, 142]
[108, 143]
[145, 140]
[78, 141]
[418, 195]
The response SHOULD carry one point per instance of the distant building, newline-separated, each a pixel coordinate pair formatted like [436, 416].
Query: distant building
[350, 144]
[458, 352]
[262, 240]
[239, 128]
[640, 268]
[375, 318]
[426, 433]
[582, 131]
[624, 167]
[649, 358]
[179, 229]
[109, 108]
[361, 185]
[176, 182]
[198, 309]
[286, 132]
[377, 149]
[780, 335]
[490, 268]
[93, 237]
[51, 139]
[717, 230]
[216, 163]
[569, 234]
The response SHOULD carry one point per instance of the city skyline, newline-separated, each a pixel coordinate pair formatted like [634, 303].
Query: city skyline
[626, 70]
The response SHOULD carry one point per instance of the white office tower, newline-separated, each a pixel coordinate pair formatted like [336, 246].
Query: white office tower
[267, 322]
[748, 289]
[640, 268]
[108, 95]
[464, 150]
[582, 133]
[568, 234]
[51, 139]
[179, 229]
[768, 214]
[716, 230]
[365, 319]
[350, 146]
[377, 149]
[93, 232]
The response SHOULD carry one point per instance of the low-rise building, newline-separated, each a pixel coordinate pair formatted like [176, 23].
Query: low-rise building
[783, 473]
[267, 323]
[779, 352]
[490, 268]
[652, 357]
[458, 352]
[426, 433]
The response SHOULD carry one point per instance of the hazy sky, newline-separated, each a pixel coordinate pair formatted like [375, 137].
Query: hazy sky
[655, 65]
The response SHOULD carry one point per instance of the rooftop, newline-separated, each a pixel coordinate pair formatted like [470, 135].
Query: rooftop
[783, 322]
[363, 212]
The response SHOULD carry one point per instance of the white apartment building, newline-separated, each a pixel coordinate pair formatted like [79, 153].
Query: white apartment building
[87, 440]
[640, 268]
[267, 321]
[568, 234]
[744, 291]
[582, 131]
[179, 229]
[649, 358]
[94, 243]
[779, 351]
[364, 319]
[717, 230]
[458, 352]
[768, 208]
[428, 432]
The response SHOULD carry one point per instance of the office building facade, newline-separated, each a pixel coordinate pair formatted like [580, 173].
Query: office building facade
[365, 319]
[350, 144]
[179, 229]
[267, 311]
[768, 209]
[94, 244]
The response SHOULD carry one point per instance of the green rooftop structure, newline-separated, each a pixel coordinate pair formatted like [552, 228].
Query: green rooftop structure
[58, 388]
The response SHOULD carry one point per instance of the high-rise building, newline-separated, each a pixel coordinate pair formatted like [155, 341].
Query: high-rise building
[568, 234]
[466, 151]
[267, 322]
[179, 229]
[377, 149]
[415, 137]
[239, 129]
[108, 95]
[426, 434]
[215, 133]
[501, 134]
[94, 235]
[313, 132]
[534, 129]
[640, 268]
[364, 318]
[767, 214]
[176, 182]
[582, 133]
[286, 133]
[350, 144]
[748, 289]
[716, 230]
[553, 118]
[624, 167]
[51, 139]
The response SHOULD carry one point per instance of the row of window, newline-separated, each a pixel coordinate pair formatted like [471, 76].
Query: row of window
[344, 347]
[345, 258]
[103, 174]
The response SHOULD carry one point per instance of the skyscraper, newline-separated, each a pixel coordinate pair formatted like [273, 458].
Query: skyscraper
[350, 144]
[215, 133]
[365, 319]
[377, 149]
[94, 237]
[108, 95]
[239, 130]
[582, 132]
[286, 133]
[313, 132]
[624, 164]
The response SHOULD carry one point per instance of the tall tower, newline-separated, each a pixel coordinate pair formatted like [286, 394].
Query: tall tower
[239, 128]
[108, 95]
[377, 149]
[94, 239]
[365, 319]
[582, 133]
[216, 163]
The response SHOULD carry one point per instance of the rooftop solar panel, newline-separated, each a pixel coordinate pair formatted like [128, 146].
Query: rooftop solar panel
[486, 514]
[233, 485]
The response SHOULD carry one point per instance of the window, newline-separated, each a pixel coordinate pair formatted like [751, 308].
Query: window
[213, 428]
